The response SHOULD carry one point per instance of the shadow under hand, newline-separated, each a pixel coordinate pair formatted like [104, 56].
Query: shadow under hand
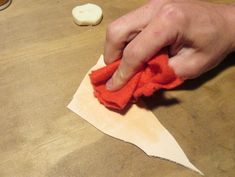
[159, 99]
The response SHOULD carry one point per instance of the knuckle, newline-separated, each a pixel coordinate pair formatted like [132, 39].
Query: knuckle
[114, 31]
[121, 76]
[173, 12]
[131, 55]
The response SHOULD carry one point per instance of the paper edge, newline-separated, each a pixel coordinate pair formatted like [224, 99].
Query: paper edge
[72, 102]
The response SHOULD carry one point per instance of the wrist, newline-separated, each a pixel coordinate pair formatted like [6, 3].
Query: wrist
[229, 15]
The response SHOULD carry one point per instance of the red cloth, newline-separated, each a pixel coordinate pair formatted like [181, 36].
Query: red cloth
[154, 76]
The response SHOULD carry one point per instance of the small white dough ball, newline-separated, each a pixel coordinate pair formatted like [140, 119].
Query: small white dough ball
[87, 14]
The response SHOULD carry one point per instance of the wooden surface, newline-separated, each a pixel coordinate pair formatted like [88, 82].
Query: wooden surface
[44, 56]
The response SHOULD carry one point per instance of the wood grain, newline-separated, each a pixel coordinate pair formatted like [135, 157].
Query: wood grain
[43, 58]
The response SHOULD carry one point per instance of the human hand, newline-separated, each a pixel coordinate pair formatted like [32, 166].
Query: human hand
[198, 34]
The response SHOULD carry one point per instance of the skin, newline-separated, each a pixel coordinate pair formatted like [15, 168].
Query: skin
[198, 34]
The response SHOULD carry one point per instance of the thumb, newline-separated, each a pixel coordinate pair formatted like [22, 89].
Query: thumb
[188, 64]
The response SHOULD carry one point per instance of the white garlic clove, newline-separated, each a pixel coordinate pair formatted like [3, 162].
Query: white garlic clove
[87, 14]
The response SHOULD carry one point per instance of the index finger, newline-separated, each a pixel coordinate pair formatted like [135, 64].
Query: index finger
[123, 30]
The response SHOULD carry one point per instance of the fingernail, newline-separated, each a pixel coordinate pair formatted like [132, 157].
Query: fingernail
[109, 84]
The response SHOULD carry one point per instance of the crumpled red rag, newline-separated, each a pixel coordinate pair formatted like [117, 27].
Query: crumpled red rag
[154, 76]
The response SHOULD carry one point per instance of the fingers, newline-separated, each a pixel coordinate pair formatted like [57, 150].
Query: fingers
[189, 64]
[152, 39]
[123, 30]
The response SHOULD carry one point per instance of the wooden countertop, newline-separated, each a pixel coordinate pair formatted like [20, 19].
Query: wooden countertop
[43, 58]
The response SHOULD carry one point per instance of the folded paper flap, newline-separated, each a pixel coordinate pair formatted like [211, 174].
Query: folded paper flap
[154, 76]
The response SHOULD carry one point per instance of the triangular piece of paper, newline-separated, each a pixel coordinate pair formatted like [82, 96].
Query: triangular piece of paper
[138, 126]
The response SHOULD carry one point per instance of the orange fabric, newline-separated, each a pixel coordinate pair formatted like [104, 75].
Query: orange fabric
[154, 76]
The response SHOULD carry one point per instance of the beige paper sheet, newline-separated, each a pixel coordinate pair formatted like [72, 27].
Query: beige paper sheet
[138, 126]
